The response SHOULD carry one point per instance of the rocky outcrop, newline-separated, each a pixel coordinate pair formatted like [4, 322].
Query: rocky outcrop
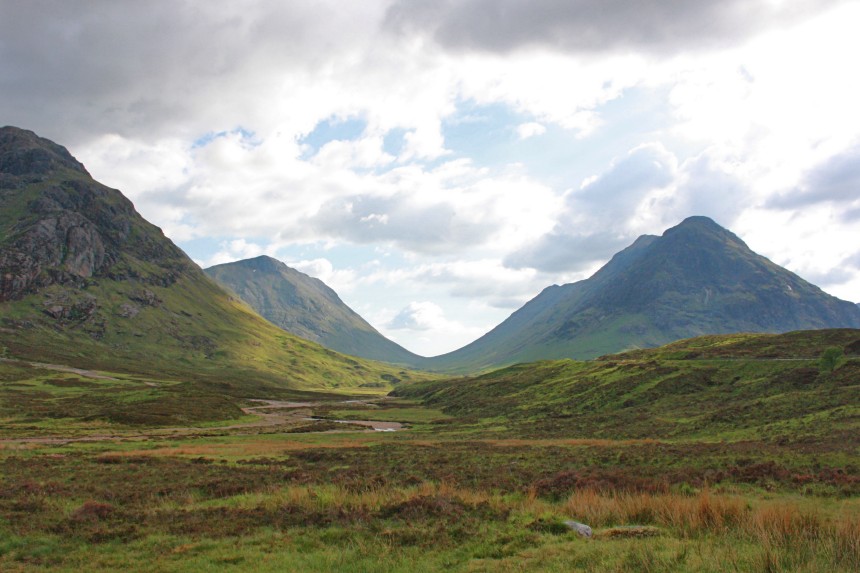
[62, 248]
[25, 154]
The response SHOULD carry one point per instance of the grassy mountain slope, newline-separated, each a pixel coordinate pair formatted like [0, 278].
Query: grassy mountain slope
[748, 386]
[85, 281]
[306, 307]
[697, 278]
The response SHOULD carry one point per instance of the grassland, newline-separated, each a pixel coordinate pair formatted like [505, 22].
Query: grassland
[480, 481]
[422, 501]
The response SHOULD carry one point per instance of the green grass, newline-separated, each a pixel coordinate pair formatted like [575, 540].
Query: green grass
[198, 365]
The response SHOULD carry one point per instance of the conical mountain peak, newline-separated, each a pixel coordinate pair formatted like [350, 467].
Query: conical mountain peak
[698, 230]
[696, 278]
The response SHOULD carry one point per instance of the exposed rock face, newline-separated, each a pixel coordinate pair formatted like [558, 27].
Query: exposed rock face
[70, 228]
[23, 153]
[66, 243]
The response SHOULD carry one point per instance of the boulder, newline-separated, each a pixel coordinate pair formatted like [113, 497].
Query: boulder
[580, 528]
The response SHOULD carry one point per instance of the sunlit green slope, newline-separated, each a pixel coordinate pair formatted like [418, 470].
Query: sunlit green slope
[716, 387]
[85, 281]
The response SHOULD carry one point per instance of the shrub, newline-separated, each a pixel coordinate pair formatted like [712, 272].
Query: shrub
[830, 359]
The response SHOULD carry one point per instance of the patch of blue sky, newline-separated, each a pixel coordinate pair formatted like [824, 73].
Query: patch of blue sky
[559, 157]
[484, 133]
[248, 137]
[332, 129]
[200, 249]
[394, 141]
[341, 255]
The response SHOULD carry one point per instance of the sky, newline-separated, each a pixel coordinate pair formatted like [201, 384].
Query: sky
[439, 162]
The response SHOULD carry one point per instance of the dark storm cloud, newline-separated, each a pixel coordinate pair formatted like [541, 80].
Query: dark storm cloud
[837, 181]
[103, 66]
[588, 26]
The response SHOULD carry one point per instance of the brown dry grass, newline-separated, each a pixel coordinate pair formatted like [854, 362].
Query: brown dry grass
[786, 531]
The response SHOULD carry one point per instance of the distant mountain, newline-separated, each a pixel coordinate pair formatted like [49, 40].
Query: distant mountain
[85, 281]
[307, 307]
[697, 278]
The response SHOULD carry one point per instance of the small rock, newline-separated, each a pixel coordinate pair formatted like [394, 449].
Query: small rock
[56, 311]
[582, 529]
[127, 310]
[145, 297]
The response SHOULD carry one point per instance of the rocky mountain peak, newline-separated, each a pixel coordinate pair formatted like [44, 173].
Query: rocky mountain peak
[22, 153]
[697, 231]
[264, 263]
[696, 278]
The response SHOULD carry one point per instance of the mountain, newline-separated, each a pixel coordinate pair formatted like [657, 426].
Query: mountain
[306, 307]
[86, 282]
[697, 278]
[720, 387]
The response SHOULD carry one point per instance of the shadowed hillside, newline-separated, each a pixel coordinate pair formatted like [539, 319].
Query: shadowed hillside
[306, 307]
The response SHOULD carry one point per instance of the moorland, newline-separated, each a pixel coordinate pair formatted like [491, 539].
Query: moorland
[711, 454]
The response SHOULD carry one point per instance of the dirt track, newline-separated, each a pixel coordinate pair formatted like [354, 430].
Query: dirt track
[272, 413]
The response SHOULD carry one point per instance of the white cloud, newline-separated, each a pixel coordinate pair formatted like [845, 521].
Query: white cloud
[419, 316]
[341, 280]
[530, 129]
[433, 332]
[604, 215]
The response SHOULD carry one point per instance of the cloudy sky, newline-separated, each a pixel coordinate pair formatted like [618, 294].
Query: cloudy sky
[439, 162]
